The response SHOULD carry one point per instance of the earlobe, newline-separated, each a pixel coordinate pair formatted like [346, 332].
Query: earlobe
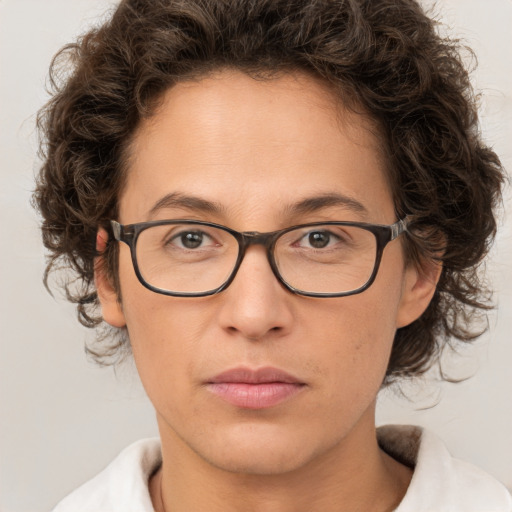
[111, 309]
[419, 288]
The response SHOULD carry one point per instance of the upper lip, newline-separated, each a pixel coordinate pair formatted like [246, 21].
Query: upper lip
[254, 376]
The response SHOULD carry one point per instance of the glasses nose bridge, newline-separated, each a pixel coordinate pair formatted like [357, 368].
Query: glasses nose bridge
[248, 238]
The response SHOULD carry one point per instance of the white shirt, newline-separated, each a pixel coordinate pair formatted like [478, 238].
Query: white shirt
[440, 483]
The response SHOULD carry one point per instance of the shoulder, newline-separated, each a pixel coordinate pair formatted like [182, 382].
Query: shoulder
[122, 485]
[440, 482]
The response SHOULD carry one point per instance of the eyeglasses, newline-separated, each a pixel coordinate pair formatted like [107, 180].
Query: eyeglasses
[189, 258]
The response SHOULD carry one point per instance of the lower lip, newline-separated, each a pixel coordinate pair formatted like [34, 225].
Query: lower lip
[254, 396]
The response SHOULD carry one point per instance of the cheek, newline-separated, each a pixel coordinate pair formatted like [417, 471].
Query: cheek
[168, 346]
[163, 334]
[356, 338]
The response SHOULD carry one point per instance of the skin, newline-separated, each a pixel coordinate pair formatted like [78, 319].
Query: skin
[256, 148]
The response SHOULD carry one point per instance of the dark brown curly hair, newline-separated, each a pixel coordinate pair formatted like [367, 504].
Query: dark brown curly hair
[383, 57]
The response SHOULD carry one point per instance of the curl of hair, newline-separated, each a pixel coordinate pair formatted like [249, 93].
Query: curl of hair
[384, 57]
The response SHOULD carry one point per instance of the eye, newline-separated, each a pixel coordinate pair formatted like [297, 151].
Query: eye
[191, 239]
[318, 239]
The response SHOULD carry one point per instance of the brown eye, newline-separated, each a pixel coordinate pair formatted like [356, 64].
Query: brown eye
[191, 240]
[319, 239]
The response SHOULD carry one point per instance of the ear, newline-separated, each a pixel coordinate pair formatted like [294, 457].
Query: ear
[111, 309]
[419, 287]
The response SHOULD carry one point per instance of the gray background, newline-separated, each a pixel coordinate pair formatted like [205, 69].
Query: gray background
[62, 419]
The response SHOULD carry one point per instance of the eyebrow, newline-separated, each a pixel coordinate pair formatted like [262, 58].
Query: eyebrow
[179, 200]
[313, 204]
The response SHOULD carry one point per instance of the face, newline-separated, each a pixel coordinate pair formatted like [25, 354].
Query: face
[256, 149]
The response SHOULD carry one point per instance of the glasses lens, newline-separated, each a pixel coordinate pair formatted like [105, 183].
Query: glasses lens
[186, 258]
[327, 258]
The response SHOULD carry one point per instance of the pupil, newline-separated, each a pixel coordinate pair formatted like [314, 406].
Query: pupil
[191, 240]
[318, 240]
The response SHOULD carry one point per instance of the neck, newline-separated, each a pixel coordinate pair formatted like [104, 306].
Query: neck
[354, 475]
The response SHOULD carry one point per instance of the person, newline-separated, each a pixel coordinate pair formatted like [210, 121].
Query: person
[278, 208]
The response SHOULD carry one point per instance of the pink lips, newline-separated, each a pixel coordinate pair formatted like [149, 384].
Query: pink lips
[254, 389]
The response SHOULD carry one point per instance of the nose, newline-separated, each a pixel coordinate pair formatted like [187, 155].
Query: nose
[255, 305]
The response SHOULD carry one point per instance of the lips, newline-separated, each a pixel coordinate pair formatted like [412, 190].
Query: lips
[254, 389]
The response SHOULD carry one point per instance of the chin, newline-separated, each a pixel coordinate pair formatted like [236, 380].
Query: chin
[256, 450]
[256, 463]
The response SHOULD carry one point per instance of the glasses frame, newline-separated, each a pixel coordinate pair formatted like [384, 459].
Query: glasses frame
[384, 234]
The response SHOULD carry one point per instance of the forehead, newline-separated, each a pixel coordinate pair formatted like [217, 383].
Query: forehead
[253, 145]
